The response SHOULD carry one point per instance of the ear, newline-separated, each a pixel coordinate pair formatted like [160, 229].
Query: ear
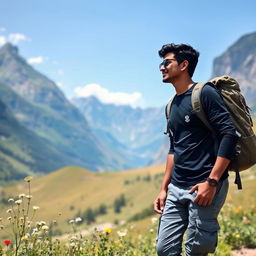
[184, 65]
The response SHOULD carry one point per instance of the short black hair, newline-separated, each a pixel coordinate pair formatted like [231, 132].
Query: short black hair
[182, 52]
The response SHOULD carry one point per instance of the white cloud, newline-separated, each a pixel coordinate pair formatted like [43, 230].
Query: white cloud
[12, 38]
[105, 96]
[16, 38]
[2, 40]
[60, 84]
[36, 60]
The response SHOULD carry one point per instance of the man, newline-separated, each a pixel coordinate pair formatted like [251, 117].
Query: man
[195, 182]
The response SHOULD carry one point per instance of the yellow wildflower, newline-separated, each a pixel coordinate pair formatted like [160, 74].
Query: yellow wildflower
[107, 230]
[236, 235]
[24, 238]
[236, 210]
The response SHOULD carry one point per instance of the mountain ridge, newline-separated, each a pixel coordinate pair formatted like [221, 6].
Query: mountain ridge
[139, 130]
[239, 61]
[54, 117]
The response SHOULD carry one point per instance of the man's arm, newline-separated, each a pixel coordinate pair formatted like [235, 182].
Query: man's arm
[220, 120]
[206, 192]
[160, 200]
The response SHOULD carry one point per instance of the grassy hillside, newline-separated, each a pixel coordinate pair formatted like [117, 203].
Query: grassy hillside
[72, 190]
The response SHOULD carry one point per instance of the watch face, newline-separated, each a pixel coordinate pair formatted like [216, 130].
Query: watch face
[212, 182]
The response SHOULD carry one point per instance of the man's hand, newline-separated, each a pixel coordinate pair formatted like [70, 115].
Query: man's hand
[160, 202]
[205, 193]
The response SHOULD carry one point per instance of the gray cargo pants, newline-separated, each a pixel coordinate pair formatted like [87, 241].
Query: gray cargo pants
[181, 214]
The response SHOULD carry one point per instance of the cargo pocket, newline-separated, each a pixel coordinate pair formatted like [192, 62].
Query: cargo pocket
[206, 237]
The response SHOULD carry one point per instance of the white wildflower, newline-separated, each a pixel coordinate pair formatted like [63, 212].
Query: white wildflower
[9, 211]
[18, 202]
[35, 208]
[154, 220]
[28, 178]
[78, 219]
[122, 233]
[34, 231]
[44, 227]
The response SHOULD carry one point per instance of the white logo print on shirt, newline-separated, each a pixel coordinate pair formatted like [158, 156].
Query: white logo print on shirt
[187, 119]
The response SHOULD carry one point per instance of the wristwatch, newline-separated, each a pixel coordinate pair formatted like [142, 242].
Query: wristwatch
[212, 182]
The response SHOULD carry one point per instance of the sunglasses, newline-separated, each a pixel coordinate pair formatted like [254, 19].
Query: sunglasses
[165, 63]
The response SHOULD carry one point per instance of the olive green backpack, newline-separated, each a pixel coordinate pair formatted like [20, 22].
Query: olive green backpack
[245, 156]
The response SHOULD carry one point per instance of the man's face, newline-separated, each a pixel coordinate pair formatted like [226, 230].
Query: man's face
[170, 68]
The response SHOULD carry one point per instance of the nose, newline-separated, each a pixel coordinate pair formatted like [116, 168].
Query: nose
[162, 68]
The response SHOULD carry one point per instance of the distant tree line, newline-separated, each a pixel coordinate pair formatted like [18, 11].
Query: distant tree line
[89, 215]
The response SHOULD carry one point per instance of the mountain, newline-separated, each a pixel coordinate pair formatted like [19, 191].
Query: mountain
[22, 152]
[140, 131]
[239, 61]
[40, 106]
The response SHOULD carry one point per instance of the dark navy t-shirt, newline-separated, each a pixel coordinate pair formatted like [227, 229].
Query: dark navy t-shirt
[191, 141]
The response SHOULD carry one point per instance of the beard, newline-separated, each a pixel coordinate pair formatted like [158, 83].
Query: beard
[166, 79]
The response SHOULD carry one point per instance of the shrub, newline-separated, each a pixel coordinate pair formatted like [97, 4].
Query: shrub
[119, 203]
[238, 227]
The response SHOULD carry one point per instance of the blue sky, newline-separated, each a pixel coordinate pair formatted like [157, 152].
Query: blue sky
[109, 48]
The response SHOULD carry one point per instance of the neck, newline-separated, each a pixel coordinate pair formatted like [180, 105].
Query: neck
[182, 85]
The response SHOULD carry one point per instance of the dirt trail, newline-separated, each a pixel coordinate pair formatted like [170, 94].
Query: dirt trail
[244, 252]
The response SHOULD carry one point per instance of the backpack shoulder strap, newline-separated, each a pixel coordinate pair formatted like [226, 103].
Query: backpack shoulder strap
[197, 105]
[168, 108]
[167, 114]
